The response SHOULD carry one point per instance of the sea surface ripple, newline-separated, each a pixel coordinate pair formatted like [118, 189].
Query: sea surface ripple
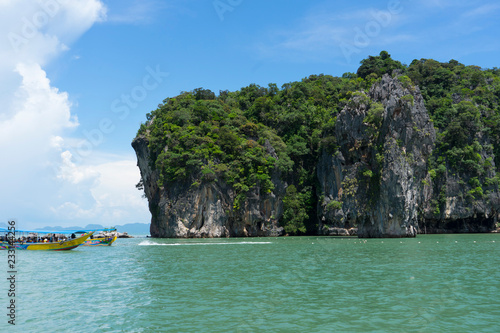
[432, 283]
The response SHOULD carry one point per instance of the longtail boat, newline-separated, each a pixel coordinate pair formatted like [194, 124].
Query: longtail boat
[33, 242]
[105, 238]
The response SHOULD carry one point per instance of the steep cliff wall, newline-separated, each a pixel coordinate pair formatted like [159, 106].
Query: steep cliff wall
[375, 180]
[463, 198]
[181, 209]
[370, 162]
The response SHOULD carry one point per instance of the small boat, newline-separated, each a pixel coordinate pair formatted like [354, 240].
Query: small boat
[43, 243]
[106, 237]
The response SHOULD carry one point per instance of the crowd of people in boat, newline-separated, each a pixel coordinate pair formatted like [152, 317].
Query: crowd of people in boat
[50, 238]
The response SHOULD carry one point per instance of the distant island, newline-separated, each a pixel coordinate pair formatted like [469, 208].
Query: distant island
[130, 228]
[392, 150]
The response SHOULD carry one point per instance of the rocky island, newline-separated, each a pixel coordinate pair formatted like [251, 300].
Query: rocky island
[390, 151]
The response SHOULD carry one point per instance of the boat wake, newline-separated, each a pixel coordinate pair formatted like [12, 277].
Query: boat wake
[151, 243]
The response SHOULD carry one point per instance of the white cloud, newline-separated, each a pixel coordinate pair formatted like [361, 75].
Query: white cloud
[41, 184]
[112, 196]
[37, 31]
[438, 3]
[345, 35]
[73, 174]
[484, 10]
[321, 33]
[38, 113]
[136, 11]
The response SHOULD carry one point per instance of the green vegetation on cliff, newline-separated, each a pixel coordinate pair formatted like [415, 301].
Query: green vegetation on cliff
[247, 137]
[463, 102]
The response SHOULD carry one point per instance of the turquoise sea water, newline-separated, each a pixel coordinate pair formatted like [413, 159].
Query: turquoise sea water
[432, 283]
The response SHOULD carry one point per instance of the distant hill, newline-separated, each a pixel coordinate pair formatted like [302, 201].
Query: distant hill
[90, 226]
[130, 228]
[134, 228]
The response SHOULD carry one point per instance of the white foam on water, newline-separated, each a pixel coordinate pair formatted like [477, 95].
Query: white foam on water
[151, 243]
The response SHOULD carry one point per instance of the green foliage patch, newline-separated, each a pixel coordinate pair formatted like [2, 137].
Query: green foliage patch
[247, 137]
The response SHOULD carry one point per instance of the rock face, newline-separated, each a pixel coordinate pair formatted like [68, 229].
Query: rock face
[183, 210]
[452, 204]
[375, 180]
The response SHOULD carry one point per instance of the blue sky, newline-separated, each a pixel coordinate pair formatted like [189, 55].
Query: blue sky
[79, 76]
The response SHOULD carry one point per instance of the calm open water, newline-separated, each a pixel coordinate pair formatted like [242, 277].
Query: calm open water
[432, 283]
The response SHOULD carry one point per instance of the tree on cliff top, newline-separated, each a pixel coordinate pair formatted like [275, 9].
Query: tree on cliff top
[379, 65]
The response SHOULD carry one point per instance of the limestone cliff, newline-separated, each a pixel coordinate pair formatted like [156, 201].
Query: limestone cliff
[179, 209]
[463, 200]
[459, 211]
[375, 179]
[375, 169]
